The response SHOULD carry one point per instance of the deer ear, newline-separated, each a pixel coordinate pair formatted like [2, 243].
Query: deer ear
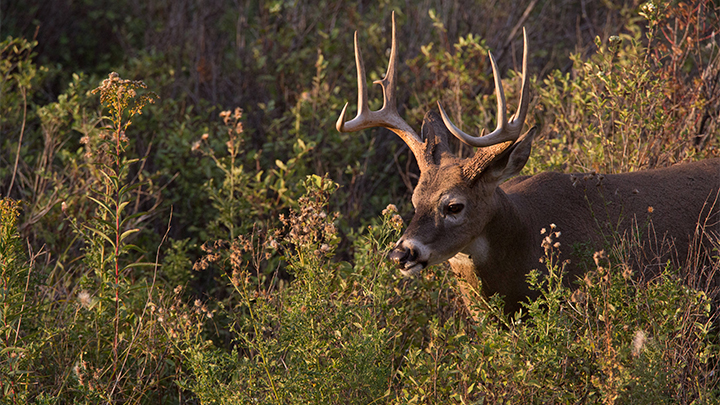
[436, 136]
[510, 163]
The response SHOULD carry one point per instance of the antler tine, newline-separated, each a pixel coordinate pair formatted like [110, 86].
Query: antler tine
[362, 92]
[500, 96]
[388, 82]
[524, 92]
[387, 116]
[505, 131]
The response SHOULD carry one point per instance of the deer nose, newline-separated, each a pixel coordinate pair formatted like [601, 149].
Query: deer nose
[401, 255]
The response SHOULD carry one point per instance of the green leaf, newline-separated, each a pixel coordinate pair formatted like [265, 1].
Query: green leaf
[103, 205]
[122, 206]
[100, 233]
[142, 264]
[136, 248]
[12, 349]
[129, 187]
[133, 216]
[110, 177]
[128, 233]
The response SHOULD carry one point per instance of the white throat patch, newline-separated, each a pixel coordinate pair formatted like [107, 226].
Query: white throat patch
[478, 251]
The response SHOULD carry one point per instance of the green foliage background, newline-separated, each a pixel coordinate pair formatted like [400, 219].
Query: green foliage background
[226, 244]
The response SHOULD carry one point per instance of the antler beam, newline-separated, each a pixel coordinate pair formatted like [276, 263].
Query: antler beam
[387, 116]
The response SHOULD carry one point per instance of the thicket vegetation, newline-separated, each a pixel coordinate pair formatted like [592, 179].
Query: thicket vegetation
[192, 229]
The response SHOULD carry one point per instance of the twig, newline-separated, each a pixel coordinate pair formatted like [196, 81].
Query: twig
[23, 91]
[519, 24]
[27, 285]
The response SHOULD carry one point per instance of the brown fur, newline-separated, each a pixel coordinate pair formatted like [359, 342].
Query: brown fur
[661, 207]
[489, 229]
[664, 208]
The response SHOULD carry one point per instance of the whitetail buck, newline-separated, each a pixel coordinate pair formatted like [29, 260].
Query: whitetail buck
[490, 229]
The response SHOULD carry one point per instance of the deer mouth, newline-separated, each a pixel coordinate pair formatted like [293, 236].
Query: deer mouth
[409, 256]
[411, 269]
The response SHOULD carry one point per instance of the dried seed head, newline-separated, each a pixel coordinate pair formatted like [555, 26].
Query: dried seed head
[225, 115]
[648, 7]
[578, 297]
[627, 273]
[84, 299]
[599, 256]
[638, 342]
[546, 243]
[390, 209]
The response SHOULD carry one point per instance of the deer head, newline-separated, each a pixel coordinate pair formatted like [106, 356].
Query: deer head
[455, 199]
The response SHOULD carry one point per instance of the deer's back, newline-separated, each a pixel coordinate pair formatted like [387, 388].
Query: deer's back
[662, 207]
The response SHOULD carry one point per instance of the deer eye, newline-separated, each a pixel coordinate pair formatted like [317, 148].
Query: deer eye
[455, 208]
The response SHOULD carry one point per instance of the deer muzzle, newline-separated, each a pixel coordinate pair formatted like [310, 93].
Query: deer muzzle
[406, 257]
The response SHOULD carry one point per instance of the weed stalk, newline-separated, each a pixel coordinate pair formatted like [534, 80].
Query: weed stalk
[121, 99]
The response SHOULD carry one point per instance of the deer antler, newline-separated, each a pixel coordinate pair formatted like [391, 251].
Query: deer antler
[387, 116]
[505, 131]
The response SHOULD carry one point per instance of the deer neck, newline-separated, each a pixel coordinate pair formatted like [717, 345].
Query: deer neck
[494, 260]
